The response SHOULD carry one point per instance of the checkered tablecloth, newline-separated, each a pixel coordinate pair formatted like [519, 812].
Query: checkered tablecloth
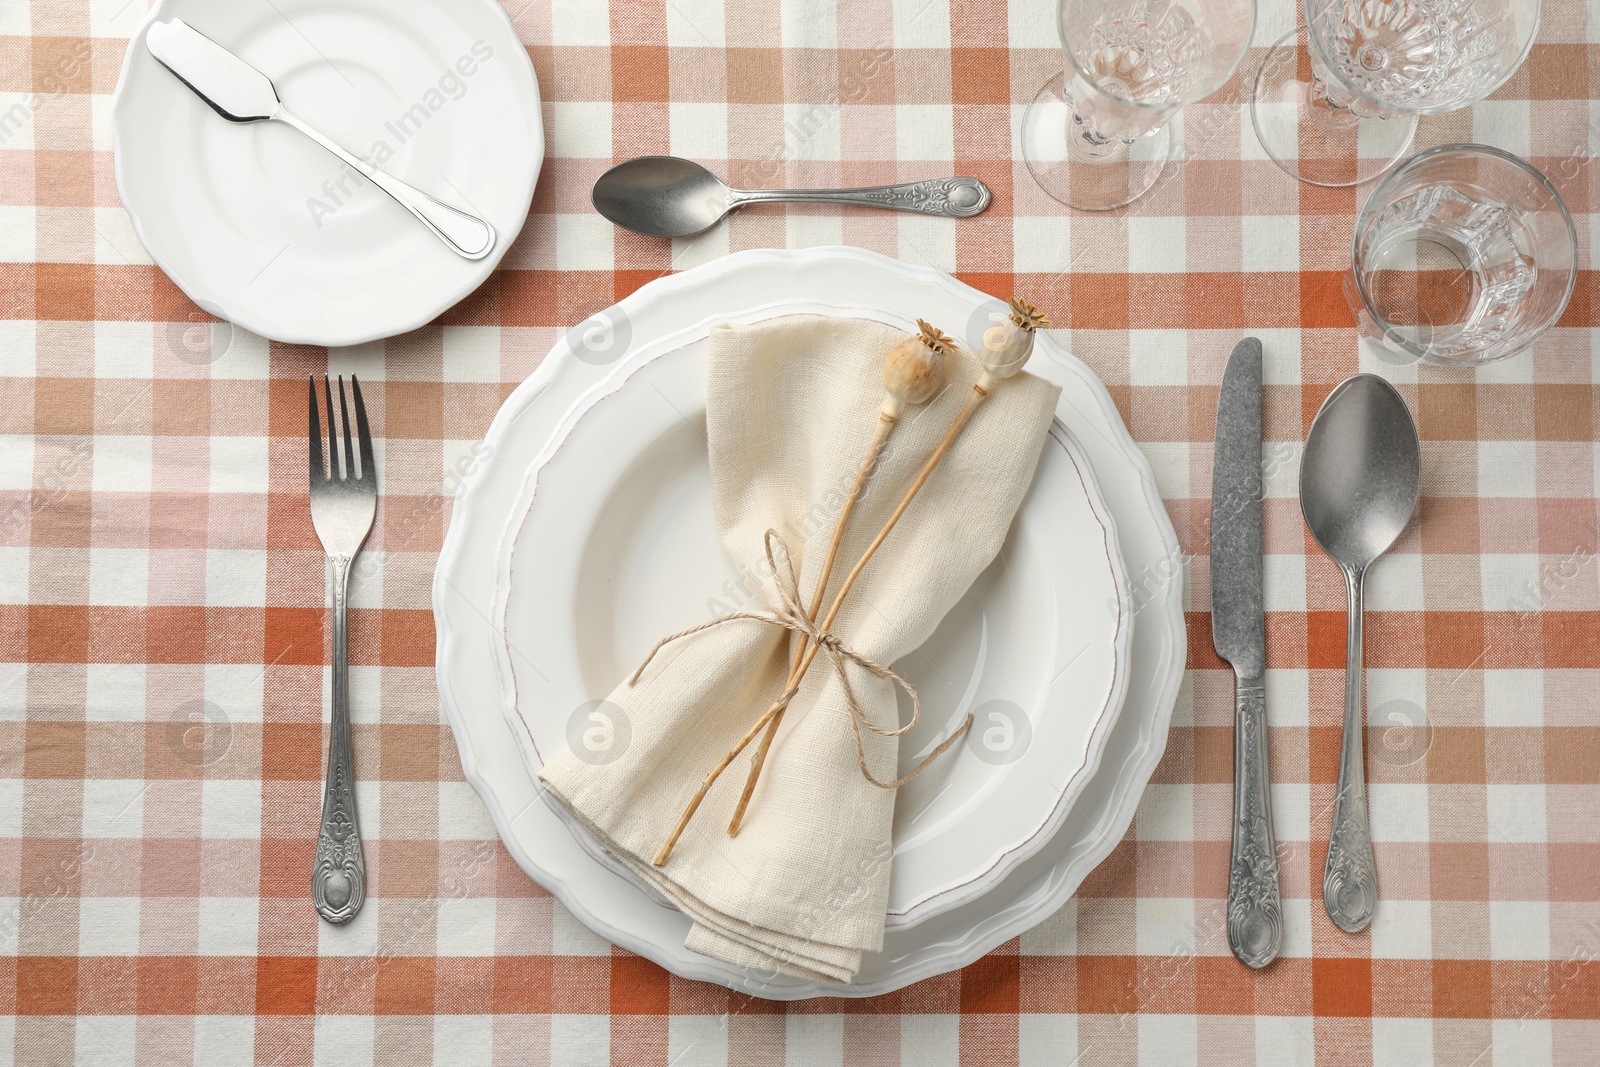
[162, 628]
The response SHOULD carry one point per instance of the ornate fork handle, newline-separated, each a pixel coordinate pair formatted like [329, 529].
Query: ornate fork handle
[1255, 913]
[951, 197]
[339, 877]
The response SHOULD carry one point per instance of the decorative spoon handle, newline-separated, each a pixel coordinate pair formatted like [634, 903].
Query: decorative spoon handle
[951, 197]
[1350, 880]
[1255, 913]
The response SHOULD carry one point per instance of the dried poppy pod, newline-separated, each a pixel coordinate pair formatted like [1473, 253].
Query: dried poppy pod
[913, 371]
[1008, 344]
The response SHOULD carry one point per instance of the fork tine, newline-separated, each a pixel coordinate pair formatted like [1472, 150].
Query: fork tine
[334, 471]
[349, 449]
[363, 431]
[316, 433]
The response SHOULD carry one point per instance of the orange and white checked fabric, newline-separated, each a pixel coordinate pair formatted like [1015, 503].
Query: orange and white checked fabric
[161, 590]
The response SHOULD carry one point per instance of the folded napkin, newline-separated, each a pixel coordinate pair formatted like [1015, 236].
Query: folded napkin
[791, 405]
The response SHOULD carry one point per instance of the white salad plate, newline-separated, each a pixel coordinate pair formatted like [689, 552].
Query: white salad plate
[614, 544]
[465, 589]
[260, 226]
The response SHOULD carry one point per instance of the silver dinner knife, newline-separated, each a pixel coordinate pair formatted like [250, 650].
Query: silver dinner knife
[241, 93]
[1238, 630]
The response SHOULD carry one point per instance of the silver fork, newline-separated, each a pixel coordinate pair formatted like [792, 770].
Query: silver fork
[343, 501]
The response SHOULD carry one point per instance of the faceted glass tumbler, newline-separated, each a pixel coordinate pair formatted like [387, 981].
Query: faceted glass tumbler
[1462, 255]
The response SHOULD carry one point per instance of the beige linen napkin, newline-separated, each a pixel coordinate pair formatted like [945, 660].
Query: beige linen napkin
[791, 404]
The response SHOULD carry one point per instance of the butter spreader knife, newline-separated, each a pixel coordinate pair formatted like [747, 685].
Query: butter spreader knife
[1238, 630]
[241, 93]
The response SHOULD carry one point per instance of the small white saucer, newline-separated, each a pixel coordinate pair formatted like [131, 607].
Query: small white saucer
[261, 227]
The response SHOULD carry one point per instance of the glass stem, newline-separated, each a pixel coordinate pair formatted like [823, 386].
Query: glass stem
[1088, 134]
[1338, 114]
[1083, 140]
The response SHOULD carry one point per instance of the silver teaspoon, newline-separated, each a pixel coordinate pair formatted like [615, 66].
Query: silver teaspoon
[664, 196]
[1360, 477]
[241, 93]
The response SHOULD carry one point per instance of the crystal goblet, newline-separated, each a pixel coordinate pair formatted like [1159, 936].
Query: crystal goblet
[1336, 102]
[1099, 135]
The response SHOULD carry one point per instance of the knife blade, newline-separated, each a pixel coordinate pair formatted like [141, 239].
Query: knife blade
[234, 89]
[1238, 619]
[1238, 631]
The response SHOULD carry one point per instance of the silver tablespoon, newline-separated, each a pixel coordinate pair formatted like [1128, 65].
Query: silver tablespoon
[664, 196]
[1360, 476]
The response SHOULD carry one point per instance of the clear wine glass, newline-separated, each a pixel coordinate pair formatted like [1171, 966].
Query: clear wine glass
[1100, 134]
[1336, 101]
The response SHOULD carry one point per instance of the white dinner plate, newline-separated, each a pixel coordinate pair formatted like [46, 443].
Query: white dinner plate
[464, 589]
[614, 543]
[260, 226]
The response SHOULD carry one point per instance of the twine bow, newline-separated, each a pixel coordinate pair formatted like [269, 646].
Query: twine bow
[791, 615]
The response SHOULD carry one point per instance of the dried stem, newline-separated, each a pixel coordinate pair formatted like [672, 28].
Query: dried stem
[665, 852]
[979, 391]
[774, 715]
[888, 418]
[771, 718]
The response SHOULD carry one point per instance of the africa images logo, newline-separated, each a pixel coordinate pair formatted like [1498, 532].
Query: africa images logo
[598, 732]
[199, 733]
[1000, 733]
[602, 334]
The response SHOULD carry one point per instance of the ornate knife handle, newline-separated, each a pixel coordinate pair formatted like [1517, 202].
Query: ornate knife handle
[1255, 914]
[951, 197]
[339, 875]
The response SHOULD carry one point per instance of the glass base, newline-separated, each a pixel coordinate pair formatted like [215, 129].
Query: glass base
[1308, 138]
[1080, 174]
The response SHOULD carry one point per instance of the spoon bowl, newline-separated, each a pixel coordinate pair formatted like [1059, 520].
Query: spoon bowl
[1360, 477]
[664, 196]
[661, 196]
